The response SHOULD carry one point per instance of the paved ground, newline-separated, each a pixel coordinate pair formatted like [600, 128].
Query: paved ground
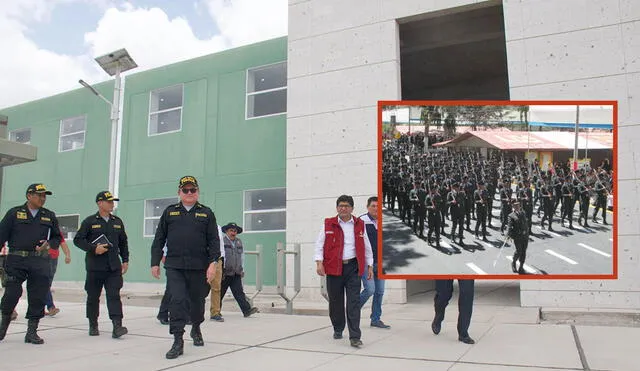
[563, 251]
[509, 338]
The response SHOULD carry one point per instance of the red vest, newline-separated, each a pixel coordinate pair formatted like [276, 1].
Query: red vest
[334, 246]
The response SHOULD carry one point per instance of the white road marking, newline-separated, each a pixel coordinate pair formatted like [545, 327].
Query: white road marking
[551, 252]
[526, 267]
[475, 268]
[549, 232]
[595, 250]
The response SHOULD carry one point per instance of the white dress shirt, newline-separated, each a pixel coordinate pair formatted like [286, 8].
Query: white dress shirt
[349, 250]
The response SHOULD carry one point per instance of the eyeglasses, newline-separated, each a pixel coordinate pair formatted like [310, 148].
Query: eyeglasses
[189, 190]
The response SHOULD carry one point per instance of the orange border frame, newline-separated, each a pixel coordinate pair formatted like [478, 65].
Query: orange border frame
[503, 276]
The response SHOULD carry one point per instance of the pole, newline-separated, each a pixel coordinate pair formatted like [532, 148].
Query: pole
[528, 141]
[586, 148]
[115, 112]
[575, 148]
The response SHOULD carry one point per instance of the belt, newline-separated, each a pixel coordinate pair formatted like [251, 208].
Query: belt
[24, 254]
[348, 261]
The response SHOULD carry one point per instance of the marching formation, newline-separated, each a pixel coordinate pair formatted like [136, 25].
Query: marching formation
[462, 187]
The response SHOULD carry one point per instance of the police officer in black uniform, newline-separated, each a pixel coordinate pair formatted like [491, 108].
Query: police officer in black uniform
[567, 202]
[518, 231]
[480, 199]
[456, 201]
[104, 239]
[30, 229]
[190, 232]
[432, 204]
[601, 199]
[585, 200]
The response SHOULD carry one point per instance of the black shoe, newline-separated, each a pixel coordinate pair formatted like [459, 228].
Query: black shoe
[32, 333]
[118, 329]
[177, 349]
[196, 335]
[513, 266]
[337, 335]
[466, 339]
[436, 325]
[251, 311]
[93, 329]
[4, 326]
[356, 343]
[163, 321]
[379, 324]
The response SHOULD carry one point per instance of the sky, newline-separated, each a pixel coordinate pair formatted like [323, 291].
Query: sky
[48, 45]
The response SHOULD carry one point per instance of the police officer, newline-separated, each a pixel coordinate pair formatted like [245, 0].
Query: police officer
[102, 236]
[518, 231]
[30, 230]
[567, 202]
[601, 199]
[505, 201]
[480, 199]
[585, 200]
[456, 201]
[189, 230]
[444, 292]
[432, 204]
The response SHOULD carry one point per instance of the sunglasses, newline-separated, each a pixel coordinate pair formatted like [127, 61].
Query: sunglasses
[189, 190]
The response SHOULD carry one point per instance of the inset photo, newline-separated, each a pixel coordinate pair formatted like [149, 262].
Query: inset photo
[498, 189]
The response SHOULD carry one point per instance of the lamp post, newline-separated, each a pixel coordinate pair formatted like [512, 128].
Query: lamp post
[575, 148]
[114, 64]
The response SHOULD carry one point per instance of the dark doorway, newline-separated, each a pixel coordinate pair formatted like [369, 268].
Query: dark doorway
[455, 54]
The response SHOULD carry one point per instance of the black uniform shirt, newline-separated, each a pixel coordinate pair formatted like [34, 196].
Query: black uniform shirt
[90, 229]
[191, 237]
[24, 232]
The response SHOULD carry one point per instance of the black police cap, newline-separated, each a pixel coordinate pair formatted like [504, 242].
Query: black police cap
[38, 188]
[106, 196]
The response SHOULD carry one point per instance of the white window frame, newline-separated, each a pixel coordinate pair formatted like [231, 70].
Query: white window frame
[181, 108]
[67, 215]
[246, 87]
[12, 135]
[84, 134]
[145, 217]
[245, 212]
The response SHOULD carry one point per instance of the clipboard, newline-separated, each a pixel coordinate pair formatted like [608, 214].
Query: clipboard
[102, 239]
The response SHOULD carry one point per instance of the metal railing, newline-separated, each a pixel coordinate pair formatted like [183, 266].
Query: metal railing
[259, 257]
[282, 281]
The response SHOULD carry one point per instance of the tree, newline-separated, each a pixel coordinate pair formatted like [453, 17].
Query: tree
[482, 115]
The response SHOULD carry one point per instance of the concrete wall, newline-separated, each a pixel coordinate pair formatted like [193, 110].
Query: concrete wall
[343, 58]
[585, 50]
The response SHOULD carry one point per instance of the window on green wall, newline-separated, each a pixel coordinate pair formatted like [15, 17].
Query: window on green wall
[153, 209]
[20, 136]
[68, 225]
[267, 90]
[72, 133]
[265, 210]
[165, 110]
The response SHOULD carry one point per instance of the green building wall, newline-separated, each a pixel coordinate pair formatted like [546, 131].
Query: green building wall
[216, 144]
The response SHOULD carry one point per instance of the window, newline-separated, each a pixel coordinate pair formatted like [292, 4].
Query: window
[20, 136]
[153, 209]
[264, 210]
[72, 132]
[165, 110]
[69, 225]
[267, 90]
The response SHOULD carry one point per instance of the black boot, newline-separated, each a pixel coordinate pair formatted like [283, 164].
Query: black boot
[118, 329]
[32, 333]
[177, 349]
[196, 335]
[4, 325]
[93, 327]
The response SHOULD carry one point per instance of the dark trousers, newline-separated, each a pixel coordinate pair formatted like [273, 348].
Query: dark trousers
[112, 282]
[48, 301]
[584, 209]
[235, 283]
[504, 216]
[188, 290]
[567, 210]
[521, 250]
[548, 212]
[481, 221]
[348, 282]
[601, 203]
[444, 292]
[434, 225]
[457, 219]
[36, 271]
[418, 221]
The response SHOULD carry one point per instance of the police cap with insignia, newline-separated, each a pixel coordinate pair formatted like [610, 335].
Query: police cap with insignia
[106, 196]
[38, 188]
[188, 180]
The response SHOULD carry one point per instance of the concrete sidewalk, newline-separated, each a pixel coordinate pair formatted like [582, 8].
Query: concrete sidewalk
[509, 338]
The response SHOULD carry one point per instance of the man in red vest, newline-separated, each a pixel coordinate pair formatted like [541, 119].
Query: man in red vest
[343, 253]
